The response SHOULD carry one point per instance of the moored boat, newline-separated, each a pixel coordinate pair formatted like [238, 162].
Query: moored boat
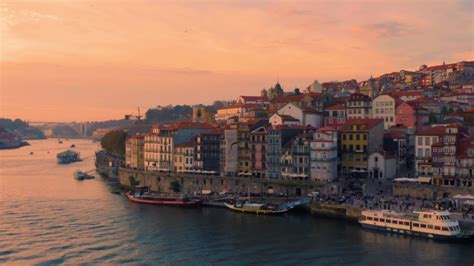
[143, 195]
[68, 157]
[256, 208]
[429, 224]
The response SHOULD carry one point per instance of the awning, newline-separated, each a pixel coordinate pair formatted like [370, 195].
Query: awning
[423, 179]
[466, 197]
[405, 179]
[206, 192]
[469, 202]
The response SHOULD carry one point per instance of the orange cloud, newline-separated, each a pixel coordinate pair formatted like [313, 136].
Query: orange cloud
[109, 56]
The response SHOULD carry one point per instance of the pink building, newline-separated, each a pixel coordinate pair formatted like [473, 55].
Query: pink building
[335, 116]
[411, 116]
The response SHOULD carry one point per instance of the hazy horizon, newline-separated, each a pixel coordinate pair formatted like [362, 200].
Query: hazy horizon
[63, 61]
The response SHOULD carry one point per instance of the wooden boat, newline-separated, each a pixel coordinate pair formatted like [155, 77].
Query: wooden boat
[256, 208]
[163, 200]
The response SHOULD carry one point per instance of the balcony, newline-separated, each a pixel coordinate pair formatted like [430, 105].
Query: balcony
[333, 159]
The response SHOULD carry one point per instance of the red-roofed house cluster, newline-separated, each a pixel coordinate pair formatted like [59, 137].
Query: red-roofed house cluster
[407, 123]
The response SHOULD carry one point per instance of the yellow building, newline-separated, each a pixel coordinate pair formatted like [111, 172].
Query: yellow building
[360, 137]
[134, 152]
[184, 157]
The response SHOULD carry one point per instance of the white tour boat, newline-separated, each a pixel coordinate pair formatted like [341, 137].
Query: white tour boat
[430, 224]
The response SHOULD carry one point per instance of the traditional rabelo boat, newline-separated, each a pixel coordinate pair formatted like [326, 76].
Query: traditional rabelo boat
[141, 194]
[256, 208]
[430, 224]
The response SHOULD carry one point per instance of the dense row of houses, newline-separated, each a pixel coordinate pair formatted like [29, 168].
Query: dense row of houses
[329, 131]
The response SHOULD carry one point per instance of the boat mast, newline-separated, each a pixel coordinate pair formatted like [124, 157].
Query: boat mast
[248, 193]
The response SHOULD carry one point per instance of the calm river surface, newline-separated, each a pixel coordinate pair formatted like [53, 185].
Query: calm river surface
[47, 217]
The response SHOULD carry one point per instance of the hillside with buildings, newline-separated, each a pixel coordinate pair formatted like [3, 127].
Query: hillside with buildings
[416, 124]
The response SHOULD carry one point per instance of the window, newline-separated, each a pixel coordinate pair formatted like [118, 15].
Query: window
[420, 141]
[437, 228]
[445, 229]
[416, 225]
[376, 219]
[423, 225]
[369, 218]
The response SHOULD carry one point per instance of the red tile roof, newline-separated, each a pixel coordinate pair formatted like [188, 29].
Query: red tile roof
[234, 106]
[367, 123]
[289, 98]
[184, 125]
[336, 106]
[255, 98]
[439, 130]
[310, 110]
[288, 118]
[359, 97]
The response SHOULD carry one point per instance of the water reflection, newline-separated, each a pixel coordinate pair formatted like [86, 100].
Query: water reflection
[48, 217]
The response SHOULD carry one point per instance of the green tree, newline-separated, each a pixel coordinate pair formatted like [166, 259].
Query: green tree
[114, 142]
[432, 118]
[175, 186]
[444, 110]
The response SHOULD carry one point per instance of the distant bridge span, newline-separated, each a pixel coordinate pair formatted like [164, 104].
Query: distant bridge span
[80, 127]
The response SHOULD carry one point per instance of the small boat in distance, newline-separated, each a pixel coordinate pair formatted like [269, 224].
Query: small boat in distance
[256, 208]
[143, 195]
[430, 224]
[79, 175]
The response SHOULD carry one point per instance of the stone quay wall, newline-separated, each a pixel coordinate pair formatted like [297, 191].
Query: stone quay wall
[336, 211]
[191, 183]
[429, 192]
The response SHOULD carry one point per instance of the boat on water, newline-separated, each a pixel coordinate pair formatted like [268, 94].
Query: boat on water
[141, 194]
[79, 175]
[430, 224]
[67, 157]
[256, 208]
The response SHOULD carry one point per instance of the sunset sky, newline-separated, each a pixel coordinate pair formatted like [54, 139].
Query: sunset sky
[97, 60]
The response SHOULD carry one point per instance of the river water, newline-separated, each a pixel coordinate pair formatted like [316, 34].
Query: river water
[47, 217]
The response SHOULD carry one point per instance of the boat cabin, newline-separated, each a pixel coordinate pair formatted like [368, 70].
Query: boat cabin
[424, 222]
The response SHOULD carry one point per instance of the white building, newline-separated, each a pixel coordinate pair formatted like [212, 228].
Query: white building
[384, 107]
[423, 153]
[324, 159]
[382, 166]
[305, 115]
[261, 100]
[236, 110]
[278, 119]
